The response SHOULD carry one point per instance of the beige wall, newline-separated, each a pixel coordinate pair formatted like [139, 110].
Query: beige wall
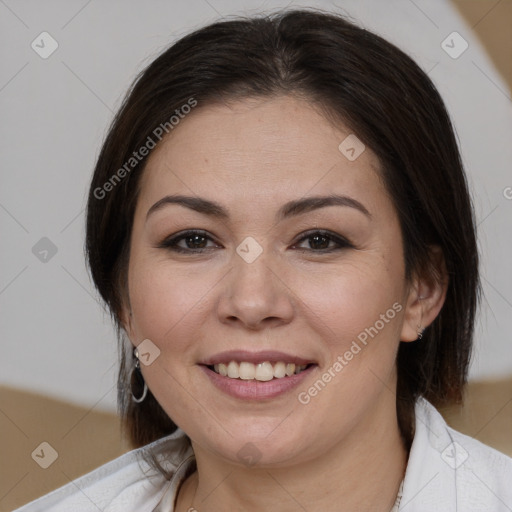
[491, 21]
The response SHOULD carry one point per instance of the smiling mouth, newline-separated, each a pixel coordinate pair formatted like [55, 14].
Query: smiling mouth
[263, 372]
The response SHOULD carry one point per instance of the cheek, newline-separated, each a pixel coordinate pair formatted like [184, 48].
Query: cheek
[352, 297]
[164, 300]
[357, 313]
[340, 300]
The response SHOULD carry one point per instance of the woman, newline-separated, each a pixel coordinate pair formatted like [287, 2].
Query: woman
[281, 227]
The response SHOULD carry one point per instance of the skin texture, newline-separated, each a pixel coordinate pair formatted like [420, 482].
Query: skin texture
[342, 450]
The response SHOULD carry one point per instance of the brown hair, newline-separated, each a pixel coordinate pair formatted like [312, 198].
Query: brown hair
[356, 77]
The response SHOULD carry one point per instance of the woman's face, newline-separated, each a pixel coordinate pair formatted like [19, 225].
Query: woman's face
[272, 277]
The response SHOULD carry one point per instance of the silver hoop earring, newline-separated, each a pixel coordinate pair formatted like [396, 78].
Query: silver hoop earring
[138, 375]
[420, 332]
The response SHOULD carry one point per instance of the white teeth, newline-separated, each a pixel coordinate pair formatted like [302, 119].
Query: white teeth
[246, 371]
[233, 371]
[263, 371]
[279, 370]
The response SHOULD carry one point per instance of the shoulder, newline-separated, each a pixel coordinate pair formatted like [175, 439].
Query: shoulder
[461, 450]
[126, 483]
[448, 470]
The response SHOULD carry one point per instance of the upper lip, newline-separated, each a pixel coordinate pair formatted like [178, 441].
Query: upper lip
[255, 357]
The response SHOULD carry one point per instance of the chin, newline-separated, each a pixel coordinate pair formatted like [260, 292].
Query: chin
[263, 444]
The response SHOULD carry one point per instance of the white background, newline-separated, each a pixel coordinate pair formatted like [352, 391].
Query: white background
[55, 336]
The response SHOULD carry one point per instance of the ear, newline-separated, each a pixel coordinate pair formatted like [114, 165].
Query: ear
[426, 296]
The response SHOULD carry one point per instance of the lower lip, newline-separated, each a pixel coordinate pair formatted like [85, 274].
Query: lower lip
[255, 389]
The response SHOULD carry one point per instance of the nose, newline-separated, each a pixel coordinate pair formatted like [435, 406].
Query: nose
[255, 295]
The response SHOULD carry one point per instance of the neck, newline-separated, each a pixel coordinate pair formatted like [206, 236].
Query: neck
[362, 472]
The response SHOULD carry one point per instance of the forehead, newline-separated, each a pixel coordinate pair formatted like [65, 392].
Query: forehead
[261, 150]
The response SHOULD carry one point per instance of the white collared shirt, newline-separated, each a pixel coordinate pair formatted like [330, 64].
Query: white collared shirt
[447, 472]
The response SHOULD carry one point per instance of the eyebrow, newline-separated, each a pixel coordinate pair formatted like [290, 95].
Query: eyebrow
[290, 209]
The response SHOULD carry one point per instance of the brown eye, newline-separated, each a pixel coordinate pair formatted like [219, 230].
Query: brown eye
[319, 241]
[197, 241]
[193, 242]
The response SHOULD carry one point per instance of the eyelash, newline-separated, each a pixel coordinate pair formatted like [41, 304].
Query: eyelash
[171, 243]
